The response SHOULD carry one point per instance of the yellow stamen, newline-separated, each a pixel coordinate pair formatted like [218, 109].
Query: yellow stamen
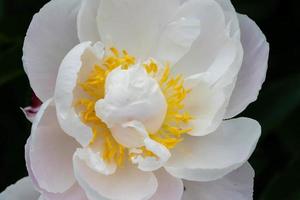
[175, 123]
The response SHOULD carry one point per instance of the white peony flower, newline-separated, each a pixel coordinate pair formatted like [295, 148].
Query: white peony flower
[138, 97]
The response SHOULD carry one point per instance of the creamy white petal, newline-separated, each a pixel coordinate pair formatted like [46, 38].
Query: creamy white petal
[127, 183]
[23, 189]
[254, 67]
[206, 103]
[51, 152]
[211, 39]
[64, 93]
[51, 34]
[149, 163]
[94, 161]
[217, 154]
[232, 22]
[238, 185]
[74, 193]
[177, 37]
[131, 95]
[87, 21]
[169, 187]
[134, 25]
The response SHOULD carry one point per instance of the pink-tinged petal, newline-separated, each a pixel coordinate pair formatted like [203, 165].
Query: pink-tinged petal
[169, 187]
[134, 25]
[51, 34]
[51, 152]
[66, 83]
[127, 183]
[211, 157]
[31, 111]
[238, 185]
[23, 189]
[87, 23]
[254, 67]
[74, 193]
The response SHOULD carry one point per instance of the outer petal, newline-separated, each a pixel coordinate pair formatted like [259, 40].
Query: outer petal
[51, 34]
[64, 95]
[87, 22]
[134, 25]
[127, 183]
[74, 193]
[254, 67]
[238, 185]
[23, 189]
[169, 187]
[51, 152]
[215, 155]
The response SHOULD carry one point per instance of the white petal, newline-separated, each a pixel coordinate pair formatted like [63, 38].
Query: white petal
[238, 185]
[152, 163]
[211, 39]
[162, 154]
[64, 93]
[177, 38]
[232, 22]
[254, 67]
[169, 187]
[51, 152]
[23, 189]
[95, 161]
[87, 21]
[215, 155]
[74, 193]
[128, 183]
[51, 34]
[131, 95]
[205, 103]
[134, 25]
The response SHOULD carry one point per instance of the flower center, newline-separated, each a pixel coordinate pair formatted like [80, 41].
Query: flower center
[174, 123]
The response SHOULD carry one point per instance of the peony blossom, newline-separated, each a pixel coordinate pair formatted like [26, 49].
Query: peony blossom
[138, 101]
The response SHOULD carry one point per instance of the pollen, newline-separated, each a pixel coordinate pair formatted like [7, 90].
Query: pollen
[175, 124]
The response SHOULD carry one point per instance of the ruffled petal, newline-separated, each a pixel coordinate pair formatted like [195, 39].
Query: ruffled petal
[134, 25]
[217, 154]
[254, 67]
[68, 77]
[51, 34]
[87, 21]
[51, 152]
[23, 189]
[127, 183]
[169, 187]
[238, 185]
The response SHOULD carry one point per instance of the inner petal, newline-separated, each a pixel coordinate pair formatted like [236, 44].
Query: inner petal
[135, 109]
[131, 95]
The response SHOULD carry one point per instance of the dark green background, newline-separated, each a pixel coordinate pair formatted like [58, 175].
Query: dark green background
[277, 157]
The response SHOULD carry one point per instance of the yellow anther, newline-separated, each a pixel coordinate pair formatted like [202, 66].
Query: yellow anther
[174, 125]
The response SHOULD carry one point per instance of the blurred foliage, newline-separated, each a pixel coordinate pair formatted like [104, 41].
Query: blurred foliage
[277, 157]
